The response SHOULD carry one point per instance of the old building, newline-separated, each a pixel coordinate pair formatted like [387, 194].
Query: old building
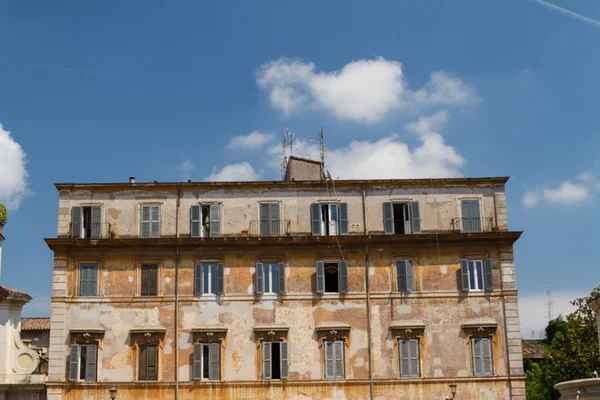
[296, 289]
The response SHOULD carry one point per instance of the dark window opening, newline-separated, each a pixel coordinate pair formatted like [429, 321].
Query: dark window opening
[205, 361]
[87, 222]
[332, 278]
[205, 219]
[276, 357]
[401, 219]
[82, 362]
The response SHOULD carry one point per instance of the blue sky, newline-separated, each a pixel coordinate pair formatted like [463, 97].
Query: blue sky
[100, 92]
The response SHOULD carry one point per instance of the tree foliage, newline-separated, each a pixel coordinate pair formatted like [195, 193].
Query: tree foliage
[3, 214]
[573, 351]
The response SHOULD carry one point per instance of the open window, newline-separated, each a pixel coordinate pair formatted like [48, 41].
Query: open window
[329, 219]
[83, 362]
[332, 277]
[401, 218]
[208, 278]
[476, 275]
[205, 220]
[269, 277]
[274, 351]
[208, 342]
[86, 222]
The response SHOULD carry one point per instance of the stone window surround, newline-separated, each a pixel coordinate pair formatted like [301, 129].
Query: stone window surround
[394, 273]
[147, 336]
[267, 333]
[210, 334]
[333, 332]
[482, 329]
[413, 330]
[84, 336]
[159, 262]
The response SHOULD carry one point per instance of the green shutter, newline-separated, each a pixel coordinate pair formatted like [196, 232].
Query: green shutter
[90, 359]
[74, 350]
[266, 360]
[195, 223]
[96, 222]
[464, 275]
[214, 356]
[198, 280]
[76, 222]
[215, 221]
[488, 275]
[343, 276]
[315, 219]
[401, 275]
[283, 352]
[320, 277]
[220, 278]
[197, 365]
[280, 278]
[259, 279]
[388, 218]
[415, 216]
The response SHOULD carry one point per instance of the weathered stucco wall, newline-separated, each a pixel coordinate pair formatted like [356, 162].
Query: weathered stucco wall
[438, 207]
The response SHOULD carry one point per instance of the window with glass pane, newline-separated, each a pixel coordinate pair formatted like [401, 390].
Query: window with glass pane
[209, 272]
[475, 274]
[270, 274]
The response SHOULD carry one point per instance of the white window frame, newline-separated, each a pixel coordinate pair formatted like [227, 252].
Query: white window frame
[270, 275]
[208, 269]
[479, 279]
[83, 350]
[204, 345]
[334, 224]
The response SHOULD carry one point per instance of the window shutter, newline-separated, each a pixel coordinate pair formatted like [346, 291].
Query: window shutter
[488, 275]
[197, 366]
[275, 219]
[198, 280]
[152, 362]
[281, 278]
[145, 221]
[343, 276]
[145, 281]
[464, 275]
[466, 215]
[74, 350]
[404, 358]
[413, 347]
[195, 223]
[343, 209]
[266, 361]
[315, 219]
[320, 277]
[283, 352]
[76, 222]
[388, 218]
[339, 359]
[415, 216]
[215, 220]
[155, 224]
[486, 356]
[410, 276]
[92, 280]
[220, 278]
[214, 355]
[475, 216]
[96, 222]
[90, 359]
[329, 372]
[143, 366]
[83, 280]
[263, 222]
[401, 275]
[259, 278]
[477, 359]
[153, 281]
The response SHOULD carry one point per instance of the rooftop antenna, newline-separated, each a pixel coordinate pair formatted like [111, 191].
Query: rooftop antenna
[322, 148]
[550, 305]
[287, 149]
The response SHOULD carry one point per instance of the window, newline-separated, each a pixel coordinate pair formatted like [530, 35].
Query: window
[409, 358]
[208, 278]
[405, 275]
[332, 277]
[275, 360]
[401, 218]
[148, 362]
[207, 361]
[82, 362]
[149, 280]
[270, 219]
[88, 279]
[334, 359]
[270, 277]
[329, 219]
[471, 218]
[150, 221]
[205, 220]
[482, 356]
[86, 222]
[476, 275]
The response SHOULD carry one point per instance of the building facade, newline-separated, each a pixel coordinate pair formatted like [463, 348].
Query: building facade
[296, 289]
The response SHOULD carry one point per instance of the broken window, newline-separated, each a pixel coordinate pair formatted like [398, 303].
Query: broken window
[207, 361]
[86, 222]
[275, 360]
[205, 220]
[329, 219]
[82, 362]
[401, 218]
[332, 277]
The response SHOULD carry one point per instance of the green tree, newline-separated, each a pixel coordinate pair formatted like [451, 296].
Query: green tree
[554, 326]
[538, 382]
[3, 214]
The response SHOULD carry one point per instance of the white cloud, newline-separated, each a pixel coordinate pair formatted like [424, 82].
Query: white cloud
[533, 310]
[390, 157]
[185, 168]
[234, 172]
[253, 140]
[363, 90]
[530, 199]
[13, 176]
[569, 192]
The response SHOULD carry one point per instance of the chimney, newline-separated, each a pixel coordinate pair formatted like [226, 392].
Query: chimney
[132, 179]
[303, 169]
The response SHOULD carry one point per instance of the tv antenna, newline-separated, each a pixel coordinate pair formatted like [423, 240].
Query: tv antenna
[287, 149]
[549, 304]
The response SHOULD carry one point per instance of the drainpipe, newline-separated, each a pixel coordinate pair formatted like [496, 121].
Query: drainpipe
[371, 386]
[176, 339]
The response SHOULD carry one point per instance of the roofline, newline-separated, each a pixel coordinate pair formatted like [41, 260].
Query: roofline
[440, 182]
